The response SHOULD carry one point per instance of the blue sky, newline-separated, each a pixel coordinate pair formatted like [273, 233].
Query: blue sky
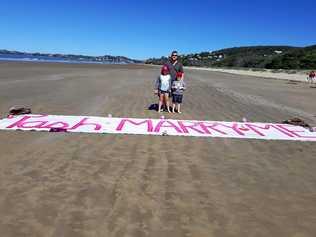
[147, 28]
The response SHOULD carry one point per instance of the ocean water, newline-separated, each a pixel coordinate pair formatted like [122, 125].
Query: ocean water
[31, 58]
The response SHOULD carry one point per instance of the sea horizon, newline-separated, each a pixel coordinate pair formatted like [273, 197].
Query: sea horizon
[32, 58]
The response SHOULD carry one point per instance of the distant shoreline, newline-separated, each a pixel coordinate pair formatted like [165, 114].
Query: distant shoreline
[34, 60]
[280, 74]
[7, 55]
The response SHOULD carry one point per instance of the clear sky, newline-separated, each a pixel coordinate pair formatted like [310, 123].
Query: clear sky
[148, 28]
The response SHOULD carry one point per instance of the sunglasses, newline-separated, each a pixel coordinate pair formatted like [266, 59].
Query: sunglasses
[174, 55]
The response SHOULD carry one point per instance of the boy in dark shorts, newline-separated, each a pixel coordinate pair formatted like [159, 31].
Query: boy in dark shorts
[178, 87]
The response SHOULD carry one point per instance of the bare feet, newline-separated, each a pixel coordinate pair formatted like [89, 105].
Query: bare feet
[179, 112]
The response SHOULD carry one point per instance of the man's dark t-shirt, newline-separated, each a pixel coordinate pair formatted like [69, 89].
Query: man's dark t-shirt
[174, 68]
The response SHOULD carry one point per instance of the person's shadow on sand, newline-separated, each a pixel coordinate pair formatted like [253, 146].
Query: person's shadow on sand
[153, 107]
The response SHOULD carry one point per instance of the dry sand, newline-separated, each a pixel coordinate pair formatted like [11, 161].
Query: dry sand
[117, 185]
[265, 73]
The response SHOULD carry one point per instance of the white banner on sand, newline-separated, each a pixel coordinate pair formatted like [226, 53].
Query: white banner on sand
[109, 125]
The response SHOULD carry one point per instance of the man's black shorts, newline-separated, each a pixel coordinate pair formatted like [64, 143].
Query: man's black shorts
[177, 99]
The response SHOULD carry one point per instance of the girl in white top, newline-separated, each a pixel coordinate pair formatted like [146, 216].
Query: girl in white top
[163, 88]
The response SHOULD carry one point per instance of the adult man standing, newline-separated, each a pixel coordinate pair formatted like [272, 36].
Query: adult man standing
[174, 66]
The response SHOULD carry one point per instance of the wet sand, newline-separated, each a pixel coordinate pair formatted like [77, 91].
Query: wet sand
[132, 185]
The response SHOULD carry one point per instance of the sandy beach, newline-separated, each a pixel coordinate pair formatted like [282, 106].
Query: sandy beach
[76, 185]
[291, 75]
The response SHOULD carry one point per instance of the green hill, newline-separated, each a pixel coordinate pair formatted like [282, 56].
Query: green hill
[271, 57]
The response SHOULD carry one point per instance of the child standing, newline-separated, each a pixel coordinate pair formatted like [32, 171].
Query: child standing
[178, 87]
[311, 77]
[163, 88]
